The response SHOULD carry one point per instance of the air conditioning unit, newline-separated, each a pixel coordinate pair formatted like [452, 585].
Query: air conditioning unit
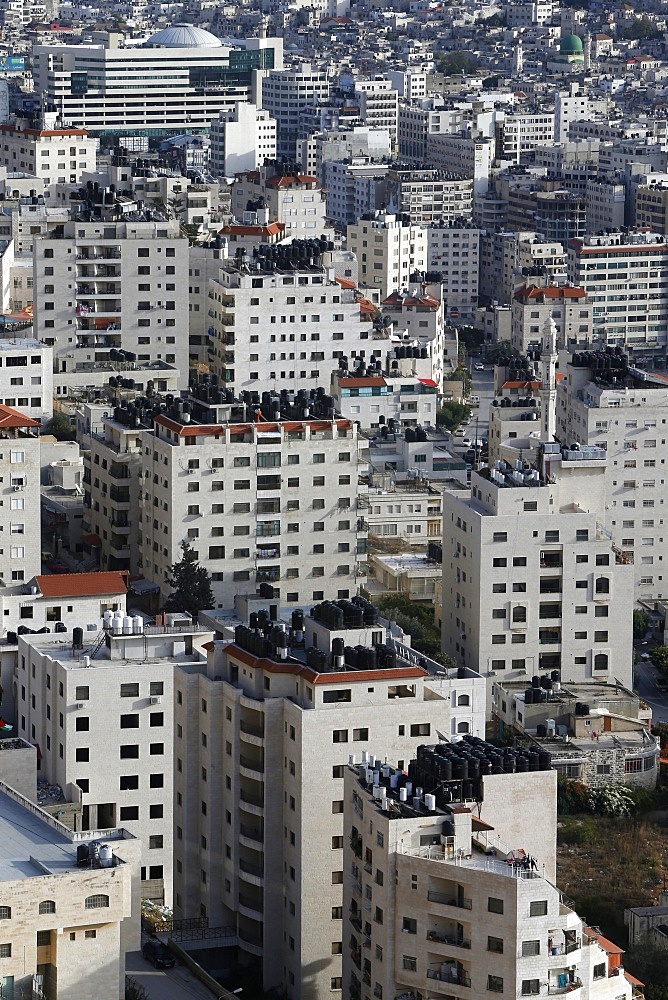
[156, 700]
[17, 487]
[81, 704]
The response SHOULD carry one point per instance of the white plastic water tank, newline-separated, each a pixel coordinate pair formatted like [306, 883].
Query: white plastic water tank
[119, 614]
[106, 858]
[116, 625]
[403, 795]
[85, 661]
[108, 618]
[137, 625]
[430, 802]
[127, 625]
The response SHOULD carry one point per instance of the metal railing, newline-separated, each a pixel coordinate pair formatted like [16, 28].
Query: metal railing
[444, 899]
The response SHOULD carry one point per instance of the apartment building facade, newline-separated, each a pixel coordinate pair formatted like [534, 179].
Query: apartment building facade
[624, 277]
[296, 201]
[55, 156]
[241, 139]
[103, 286]
[100, 707]
[26, 377]
[533, 304]
[20, 556]
[388, 249]
[428, 196]
[263, 836]
[453, 250]
[312, 320]
[432, 905]
[627, 420]
[580, 623]
[285, 510]
[285, 93]
[379, 106]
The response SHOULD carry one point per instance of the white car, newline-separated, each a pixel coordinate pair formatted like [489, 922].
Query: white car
[479, 367]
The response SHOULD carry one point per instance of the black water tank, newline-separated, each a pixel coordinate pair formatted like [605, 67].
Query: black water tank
[83, 855]
[77, 638]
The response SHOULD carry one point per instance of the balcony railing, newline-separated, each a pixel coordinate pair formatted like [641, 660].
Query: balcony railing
[246, 727]
[456, 942]
[251, 833]
[446, 900]
[455, 977]
[251, 869]
[250, 764]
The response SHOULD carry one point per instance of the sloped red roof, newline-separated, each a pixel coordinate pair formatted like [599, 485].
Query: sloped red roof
[357, 383]
[279, 182]
[12, 418]
[538, 294]
[82, 584]
[345, 282]
[271, 229]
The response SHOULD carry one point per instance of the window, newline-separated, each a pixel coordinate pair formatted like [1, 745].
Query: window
[538, 908]
[156, 811]
[129, 690]
[129, 751]
[360, 734]
[340, 736]
[421, 729]
[82, 724]
[495, 984]
[129, 813]
[5, 913]
[96, 902]
[47, 906]
[130, 721]
[494, 905]
[495, 944]
[530, 948]
[5, 951]
[530, 987]
[500, 536]
[128, 782]
[599, 971]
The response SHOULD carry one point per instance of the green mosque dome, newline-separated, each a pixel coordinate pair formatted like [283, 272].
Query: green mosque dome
[571, 45]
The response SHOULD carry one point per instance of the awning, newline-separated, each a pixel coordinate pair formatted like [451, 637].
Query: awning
[429, 382]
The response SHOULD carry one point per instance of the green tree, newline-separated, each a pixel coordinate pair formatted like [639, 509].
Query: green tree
[418, 621]
[190, 583]
[660, 658]
[642, 29]
[640, 624]
[470, 338]
[456, 63]
[648, 963]
[452, 414]
[61, 427]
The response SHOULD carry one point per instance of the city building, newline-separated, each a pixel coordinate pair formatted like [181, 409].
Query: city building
[519, 592]
[428, 195]
[20, 557]
[178, 81]
[259, 845]
[285, 93]
[241, 139]
[597, 733]
[100, 287]
[623, 275]
[404, 393]
[313, 318]
[297, 532]
[68, 924]
[453, 250]
[101, 710]
[419, 313]
[26, 376]
[54, 156]
[565, 304]
[605, 403]
[378, 106]
[295, 201]
[463, 156]
[449, 881]
[388, 249]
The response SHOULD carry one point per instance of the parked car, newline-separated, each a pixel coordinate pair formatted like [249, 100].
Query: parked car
[478, 367]
[158, 954]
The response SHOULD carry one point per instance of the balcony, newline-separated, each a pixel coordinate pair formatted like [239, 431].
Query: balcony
[551, 560]
[453, 976]
[253, 871]
[269, 575]
[546, 638]
[252, 767]
[252, 904]
[121, 494]
[452, 940]
[444, 899]
[269, 553]
[253, 833]
[555, 989]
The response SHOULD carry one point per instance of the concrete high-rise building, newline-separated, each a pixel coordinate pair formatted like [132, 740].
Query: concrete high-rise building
[101, 286]
[275, 328]
[449, 883]
[566, 305]
[55, 156]
[178, 81]
[453, 250]
[260, 790]
[241, 139]
[285, 92]
[101, 709]
[465, 156]
[296, 201]
[286, 484]
[379, 106]
[531, 580]
[388, 250]
[626, 418]
[21, 556]
[428, 195]
[606, 267]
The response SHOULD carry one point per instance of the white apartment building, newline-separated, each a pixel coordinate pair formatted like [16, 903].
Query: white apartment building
[296, 201]
[572, 106]
[102, 286]
[409, 511]
[533, 304]
[20, 556]
[409, 84]
[388, 250]
[176, 82]
[67, 927]
[543, 591]
[464, 156]
[54, 156]
[241, 139]
[284, 93]
[313, 319]
[429, 195]
[405, 394]
[299, 533]
[431, 903]
[517, 133]
[534, 252]
[419, 313]
[354, 189]
[279, 727]
[453, 249]
[606, 206]
[626, 419]
[379, 105]
[624, 277]
[102, 714]
[26, 377]
[417, 120]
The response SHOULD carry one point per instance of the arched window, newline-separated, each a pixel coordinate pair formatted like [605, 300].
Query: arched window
[462, 727]
[601, 661]
[47, 906]
[96, 902]
[602, 585]
[463, 700]
[519, 613]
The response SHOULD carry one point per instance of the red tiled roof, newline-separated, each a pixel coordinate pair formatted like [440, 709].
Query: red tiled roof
[357, 383]
[345, 282]
[82, 584]
[12, 130]
[279, 182]
[536, 293]
[350, 676]
[271, 229]
[366, 306]
[12, 418]
[606, 945]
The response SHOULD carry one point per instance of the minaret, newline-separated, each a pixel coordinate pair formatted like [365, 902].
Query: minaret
[548, 388]
[518, 58]
[587, 52]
